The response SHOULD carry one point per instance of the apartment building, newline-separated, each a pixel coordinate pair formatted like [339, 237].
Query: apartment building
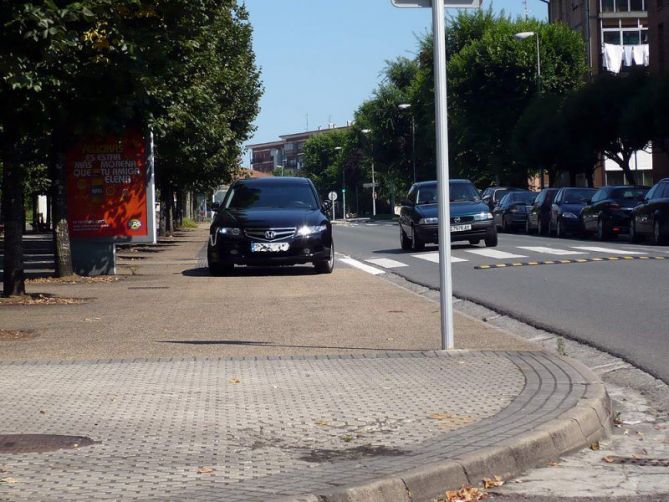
[287, 152]
[616, 35]
[658, 21]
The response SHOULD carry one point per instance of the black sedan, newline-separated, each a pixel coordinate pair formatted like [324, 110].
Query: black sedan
[511, 213]
[651, 216]
[492, 196]
[270, 221]
[539, 215]
[470, 219]
[610, 210]
[566, 210]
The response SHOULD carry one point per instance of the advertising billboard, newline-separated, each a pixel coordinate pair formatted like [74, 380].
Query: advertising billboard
[109, 188]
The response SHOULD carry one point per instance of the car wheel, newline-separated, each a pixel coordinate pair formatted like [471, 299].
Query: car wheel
[416, 243]
[326, 266]
[602, 232]
[474, 242]
[634, 235]
[658, 238]
[405, 242]
[491, 238]
[218, 269]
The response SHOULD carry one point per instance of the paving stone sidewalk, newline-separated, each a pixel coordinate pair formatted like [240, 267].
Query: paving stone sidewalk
[199, 388]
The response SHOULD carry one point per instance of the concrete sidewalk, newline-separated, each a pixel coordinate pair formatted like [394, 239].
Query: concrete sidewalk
[270, 384]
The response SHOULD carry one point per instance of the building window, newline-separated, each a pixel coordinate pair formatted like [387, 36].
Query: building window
[622, 5]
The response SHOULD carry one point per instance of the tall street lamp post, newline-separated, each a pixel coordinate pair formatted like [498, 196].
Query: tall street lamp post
[343, 186]
[522, 36]
[369, 131]
[407, 106]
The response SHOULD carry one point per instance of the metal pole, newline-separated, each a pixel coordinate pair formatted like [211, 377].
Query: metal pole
[538, 64]
[446, 285]
[343, 191]
[413, 145]
[373, 184]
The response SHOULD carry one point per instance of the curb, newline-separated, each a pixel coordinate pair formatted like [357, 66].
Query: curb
[586, 423]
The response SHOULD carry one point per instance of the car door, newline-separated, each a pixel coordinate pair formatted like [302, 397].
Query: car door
[407, 210]
[533, 215]
[642, 220]
[498, 210]
[657, 204]
[555, 208]
[591, 210]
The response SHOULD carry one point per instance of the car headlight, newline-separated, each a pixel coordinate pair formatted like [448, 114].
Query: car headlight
[482, 216]
[428, 221]
[236, 232]
[569, 215]
[307, 230]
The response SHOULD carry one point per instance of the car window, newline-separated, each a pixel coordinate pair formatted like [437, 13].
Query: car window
[628, 193]
[412, 195]
[505, 201]
[427, 195]
[577, 196]
[499, 194]
[599, 195]
[651, 193]
[526, 197]
[463, 192]
[665, 191]
[276, 196]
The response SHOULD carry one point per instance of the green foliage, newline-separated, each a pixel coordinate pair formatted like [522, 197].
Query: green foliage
[322, 163]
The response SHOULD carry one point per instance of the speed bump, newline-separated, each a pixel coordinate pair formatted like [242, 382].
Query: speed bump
[566, 262]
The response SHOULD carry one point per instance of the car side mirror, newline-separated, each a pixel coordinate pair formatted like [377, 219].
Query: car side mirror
[215, 206]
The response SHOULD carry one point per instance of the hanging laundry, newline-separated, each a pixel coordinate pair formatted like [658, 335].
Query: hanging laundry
[613, 57]
[628, 56]
[641, 54]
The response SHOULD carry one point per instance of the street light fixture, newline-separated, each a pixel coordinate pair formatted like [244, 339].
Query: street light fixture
[407, 106]
[343, 186]
[369, 131]
[522, 36]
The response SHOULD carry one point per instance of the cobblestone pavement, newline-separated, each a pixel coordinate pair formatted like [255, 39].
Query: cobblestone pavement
[265, 428]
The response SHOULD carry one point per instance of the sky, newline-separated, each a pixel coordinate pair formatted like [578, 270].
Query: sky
[321, 59]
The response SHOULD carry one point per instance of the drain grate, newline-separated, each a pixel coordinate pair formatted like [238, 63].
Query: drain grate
[41, 443]
[642, 462]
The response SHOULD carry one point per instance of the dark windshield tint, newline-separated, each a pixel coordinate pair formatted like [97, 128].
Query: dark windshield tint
[427, 194]
[275, 196]
[464, 192]
[628, 193]
[578, 195]
[526, 197]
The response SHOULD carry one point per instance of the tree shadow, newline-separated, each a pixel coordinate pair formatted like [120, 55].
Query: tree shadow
[253, 343]
[251, 271]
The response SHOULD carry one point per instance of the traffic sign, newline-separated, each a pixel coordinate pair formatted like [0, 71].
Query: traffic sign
[332, 196]
[449, 4]
[370, 185]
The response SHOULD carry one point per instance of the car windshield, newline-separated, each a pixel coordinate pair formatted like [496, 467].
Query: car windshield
[464, 192]
[276, 196]
[628, 193]
[578, 196]
[427, 195]
[526, 197]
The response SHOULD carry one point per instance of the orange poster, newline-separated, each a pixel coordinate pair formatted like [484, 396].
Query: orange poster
[107, 187]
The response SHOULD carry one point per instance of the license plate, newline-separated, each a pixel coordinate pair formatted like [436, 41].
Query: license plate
[460, 228]
[269, 247]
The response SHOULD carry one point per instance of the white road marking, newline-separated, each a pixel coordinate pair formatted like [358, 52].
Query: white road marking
[386, 263]
[558, 252]
[608, 250]
[362, 266]
[372, 224]
[493, 253]
[434, 257]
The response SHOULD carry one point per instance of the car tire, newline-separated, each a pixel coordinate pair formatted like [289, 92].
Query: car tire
[634, 235]
[491, 238]
[658, 238]
[405, 242]
[602, 232]
[416, 243]
[326, 266]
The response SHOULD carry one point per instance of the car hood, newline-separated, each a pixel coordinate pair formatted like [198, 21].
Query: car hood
[266, 218]
[572, 208]
[457, 209]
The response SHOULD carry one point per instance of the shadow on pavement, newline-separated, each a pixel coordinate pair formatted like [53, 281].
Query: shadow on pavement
[254, 271]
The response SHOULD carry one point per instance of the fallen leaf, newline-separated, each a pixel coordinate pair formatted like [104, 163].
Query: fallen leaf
[608, 459]
[322, 423]
[553, 464]
[9, 481]
[234, 380]
[594, 446]
[466, 494]
[492, 483]
[205, 470]
[42, 412]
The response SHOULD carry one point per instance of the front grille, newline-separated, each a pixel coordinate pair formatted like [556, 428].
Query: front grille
[270, 234]
[461, 219]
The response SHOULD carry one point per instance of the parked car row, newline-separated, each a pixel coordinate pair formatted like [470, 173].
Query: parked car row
[605, 213]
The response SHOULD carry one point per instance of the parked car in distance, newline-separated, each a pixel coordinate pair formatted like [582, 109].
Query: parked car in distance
[493, 195]
[566, 210]
[539, 213]
[651, 216]
[270, 221]
[511, 212]
[610, 210]
[470, 219]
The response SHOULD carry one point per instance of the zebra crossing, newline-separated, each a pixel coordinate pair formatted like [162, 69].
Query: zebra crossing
[483, 258]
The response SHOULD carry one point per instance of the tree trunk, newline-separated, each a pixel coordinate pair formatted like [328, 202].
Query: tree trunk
[61, 234]
[14, 216]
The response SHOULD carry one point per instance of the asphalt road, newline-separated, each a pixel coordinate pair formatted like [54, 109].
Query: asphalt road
[617, 305]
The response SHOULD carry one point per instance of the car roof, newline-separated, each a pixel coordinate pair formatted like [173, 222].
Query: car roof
[274, 180]
[432, 182]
